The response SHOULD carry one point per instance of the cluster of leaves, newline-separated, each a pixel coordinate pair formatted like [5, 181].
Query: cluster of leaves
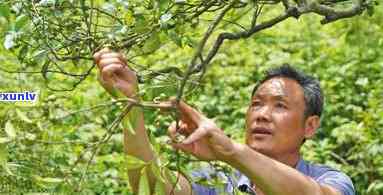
[58, 145]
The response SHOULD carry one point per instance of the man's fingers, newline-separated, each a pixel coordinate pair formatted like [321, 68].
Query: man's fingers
[97, 55]
[196, 135]
[185, 148]
[114, 55]
[175, 133]
[172, 130]
[107, 61]
[189, 113]
[109, 71]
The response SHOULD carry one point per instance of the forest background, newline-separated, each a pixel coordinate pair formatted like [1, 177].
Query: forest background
[70, 141]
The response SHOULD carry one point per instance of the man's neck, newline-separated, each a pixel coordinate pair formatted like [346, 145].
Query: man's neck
[291, 159]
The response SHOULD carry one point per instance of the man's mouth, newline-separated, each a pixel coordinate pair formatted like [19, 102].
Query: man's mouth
[261, 131]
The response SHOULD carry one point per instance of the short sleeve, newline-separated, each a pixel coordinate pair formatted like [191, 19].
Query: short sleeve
[202, 190]
[339, 181]
[209, 174]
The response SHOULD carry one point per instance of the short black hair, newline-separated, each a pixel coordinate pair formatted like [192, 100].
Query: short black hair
[311, 89]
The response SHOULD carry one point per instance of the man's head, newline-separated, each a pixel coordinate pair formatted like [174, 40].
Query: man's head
[285, 109]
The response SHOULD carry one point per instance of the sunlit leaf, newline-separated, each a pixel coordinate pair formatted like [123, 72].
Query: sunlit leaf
[3, 155]
[10, 130]
[22, 116]
[160, 188]
[4, 140]
[128, 125]
[49, 180]
[9, 40]
[144, 188]
[174, 179]
[180, 1]
[132, 162]
[152, 44]
[46, 2]
[21, 21]
[157, 172]
[129, 18]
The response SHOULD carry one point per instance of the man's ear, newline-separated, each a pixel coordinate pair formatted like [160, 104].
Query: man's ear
[312, 123]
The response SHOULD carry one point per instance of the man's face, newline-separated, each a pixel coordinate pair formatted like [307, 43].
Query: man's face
[275, 118]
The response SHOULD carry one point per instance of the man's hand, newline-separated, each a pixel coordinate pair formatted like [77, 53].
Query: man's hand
[204, 139]
[115, 74]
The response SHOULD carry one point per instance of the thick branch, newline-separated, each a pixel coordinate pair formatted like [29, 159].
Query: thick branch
[244, 34]
[332, 14]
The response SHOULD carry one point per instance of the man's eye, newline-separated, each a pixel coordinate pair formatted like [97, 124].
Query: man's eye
[280, 105]
[256, 103]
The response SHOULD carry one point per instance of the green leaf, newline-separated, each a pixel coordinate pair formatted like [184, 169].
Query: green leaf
[173, 178]
[163, 5]
[180, 1]
[175, 38]
[160, 188]
[4, 140]
[5, 11]
[141, 23]
[129, 18]
[22, 116]
[130, 121]
[4, 159]
[152, 44]
[21, 21]
[143, 188]
[132, 162]
[128, 125]
[157, 172]
[9, 40]
[3, 155]
[49, 180]
[10, 130]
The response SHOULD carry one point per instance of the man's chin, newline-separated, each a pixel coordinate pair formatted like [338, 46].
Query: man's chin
[261, 148]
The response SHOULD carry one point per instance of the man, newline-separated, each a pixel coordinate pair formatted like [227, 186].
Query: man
[285, 110]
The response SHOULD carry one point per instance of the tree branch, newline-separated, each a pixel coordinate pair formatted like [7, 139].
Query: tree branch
[200, 47]
[333, 14]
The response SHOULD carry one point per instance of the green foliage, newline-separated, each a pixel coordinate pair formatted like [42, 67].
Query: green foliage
[48, 147]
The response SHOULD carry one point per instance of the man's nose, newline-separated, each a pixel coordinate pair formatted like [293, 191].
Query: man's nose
[263, 114]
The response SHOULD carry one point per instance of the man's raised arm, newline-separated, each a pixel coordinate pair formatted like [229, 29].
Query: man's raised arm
[120, 81]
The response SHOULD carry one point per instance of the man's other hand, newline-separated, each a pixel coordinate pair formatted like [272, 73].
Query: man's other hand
[203, 139]
[114, 74]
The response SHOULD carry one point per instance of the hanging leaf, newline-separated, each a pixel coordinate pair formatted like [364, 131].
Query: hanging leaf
[152, 44]
[144, 188]
[22, 116]
[4, 159]
[4, 140]
[128, 125]
[48, 180]
[21, 21]
[130, 121]
[173, 178]
[157, 172]
[3, 155]
[10, 130]
[132, 162]
[159, 188]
